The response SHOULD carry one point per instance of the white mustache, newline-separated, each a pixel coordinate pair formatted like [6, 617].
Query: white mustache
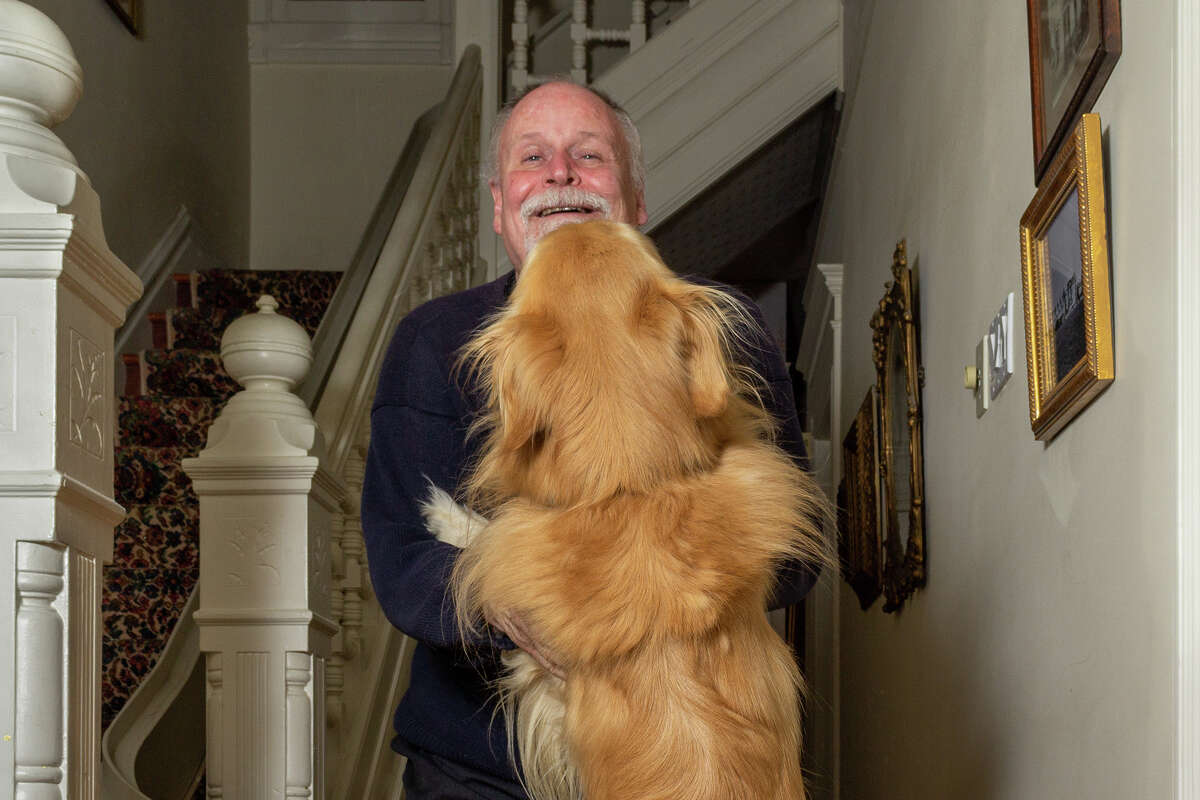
[564, 196]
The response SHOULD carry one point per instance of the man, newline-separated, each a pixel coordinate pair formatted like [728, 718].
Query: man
[559, 155]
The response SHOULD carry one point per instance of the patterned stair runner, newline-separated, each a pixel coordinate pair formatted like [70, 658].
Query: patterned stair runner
[172, 395]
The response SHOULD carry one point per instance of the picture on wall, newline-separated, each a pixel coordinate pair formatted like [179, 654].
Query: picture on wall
[1065, 284]
[130, 14]
[1073, 47]
[859, 545]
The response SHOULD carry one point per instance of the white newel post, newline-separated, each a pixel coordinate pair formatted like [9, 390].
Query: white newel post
[62, 295]
[266, 507]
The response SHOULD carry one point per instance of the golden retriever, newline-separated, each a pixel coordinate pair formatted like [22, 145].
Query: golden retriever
[635, 514]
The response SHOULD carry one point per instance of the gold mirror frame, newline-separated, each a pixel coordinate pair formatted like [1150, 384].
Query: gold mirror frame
[895, 324]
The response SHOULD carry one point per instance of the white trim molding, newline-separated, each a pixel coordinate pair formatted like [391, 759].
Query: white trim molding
[351, 31]
[1187, 269]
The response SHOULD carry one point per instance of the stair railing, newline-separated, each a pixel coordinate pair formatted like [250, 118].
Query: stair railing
[303, 671]
[581, 37]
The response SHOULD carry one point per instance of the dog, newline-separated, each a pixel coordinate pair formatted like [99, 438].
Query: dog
[633, 513]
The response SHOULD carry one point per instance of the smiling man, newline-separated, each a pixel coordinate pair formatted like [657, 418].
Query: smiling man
[563, 155]
[560, 154]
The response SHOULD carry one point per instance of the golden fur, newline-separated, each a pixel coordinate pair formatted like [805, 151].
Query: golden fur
[637, 513]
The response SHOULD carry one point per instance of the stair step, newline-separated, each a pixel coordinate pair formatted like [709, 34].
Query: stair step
[152, 475]
[140, 609]
[161, 421]
[186, 372]
[158, 536]
[200, 328]
[302, 296]
[158, 328]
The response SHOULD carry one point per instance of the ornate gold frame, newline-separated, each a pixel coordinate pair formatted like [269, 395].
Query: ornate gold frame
[904, 559]
[859, 547]
[1078, 169]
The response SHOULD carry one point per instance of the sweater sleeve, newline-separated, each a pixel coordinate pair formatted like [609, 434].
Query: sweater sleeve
[418, 435]
[795, 578]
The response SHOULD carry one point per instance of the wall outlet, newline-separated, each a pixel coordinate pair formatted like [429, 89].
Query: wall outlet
[981, 369]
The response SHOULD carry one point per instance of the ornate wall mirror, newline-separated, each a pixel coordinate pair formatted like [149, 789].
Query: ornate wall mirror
[899, 377]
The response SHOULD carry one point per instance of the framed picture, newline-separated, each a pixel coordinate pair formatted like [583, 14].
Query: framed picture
[1073, 47]
[1065, 284]
[859, 549]
[130, 14]
[899, 376]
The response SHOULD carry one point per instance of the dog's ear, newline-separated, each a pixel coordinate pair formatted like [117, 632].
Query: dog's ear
[705, 332]
[524, 353]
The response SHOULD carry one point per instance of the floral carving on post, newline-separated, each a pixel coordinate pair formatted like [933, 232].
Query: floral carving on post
[87, 406]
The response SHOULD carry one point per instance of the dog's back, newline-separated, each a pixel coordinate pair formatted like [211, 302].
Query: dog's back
[639, 514]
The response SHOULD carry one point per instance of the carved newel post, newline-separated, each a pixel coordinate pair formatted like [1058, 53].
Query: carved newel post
[62, 294]
[264, 611]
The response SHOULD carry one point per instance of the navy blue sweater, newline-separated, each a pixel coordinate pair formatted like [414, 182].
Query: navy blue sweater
[418, 435]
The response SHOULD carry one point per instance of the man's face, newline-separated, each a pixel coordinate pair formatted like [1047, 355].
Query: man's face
[562, 159]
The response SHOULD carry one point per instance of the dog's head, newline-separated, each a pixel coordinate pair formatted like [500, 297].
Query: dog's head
[605, 372]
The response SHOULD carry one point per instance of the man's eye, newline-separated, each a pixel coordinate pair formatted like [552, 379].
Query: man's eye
[589, 156]
[532, 157]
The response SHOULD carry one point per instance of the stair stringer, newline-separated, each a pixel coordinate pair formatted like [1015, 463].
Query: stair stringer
[147, 706]
[720, 82]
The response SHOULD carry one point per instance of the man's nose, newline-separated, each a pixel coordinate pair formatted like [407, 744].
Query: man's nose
[561, 171]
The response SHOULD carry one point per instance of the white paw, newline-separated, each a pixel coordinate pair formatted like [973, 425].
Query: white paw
[449, 521]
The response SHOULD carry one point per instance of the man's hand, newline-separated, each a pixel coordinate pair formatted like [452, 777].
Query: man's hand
[518, 631]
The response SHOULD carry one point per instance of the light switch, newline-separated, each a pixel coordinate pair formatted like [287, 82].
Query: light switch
[984, 377]
[1000, 345]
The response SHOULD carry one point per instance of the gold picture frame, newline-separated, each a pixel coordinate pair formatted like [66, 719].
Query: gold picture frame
[130, 14]
[1065, 284]
[899, 378]
[859, 547]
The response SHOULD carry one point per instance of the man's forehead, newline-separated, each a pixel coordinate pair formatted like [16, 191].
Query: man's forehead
[537, 134]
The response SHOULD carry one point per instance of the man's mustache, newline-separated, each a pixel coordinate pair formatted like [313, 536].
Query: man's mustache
[564, 197]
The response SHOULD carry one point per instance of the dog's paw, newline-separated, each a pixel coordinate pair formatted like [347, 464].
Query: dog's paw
[449, 521]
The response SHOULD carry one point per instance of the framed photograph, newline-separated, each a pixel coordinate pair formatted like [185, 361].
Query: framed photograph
[1065, 284]
[859, 548]
[130, 14]
[1073, 47]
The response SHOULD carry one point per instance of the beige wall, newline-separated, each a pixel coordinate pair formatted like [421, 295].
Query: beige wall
[1039, 661]
[324, 139]
[164, 120]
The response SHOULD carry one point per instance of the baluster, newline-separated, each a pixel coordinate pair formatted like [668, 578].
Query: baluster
[352, 555]
[39, 728]
[637, 29]
[299, 768]
[579, 39]
[335, 676]
[520, 37]
[214, 710]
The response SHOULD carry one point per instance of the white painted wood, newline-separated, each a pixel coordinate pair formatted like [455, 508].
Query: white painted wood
[721, 81]
[351, 31]
[62, 293]
[264, 615]
[1187, 198]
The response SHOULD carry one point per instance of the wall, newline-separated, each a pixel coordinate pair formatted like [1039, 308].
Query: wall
[164, 120]
[1039, 661]
[324, 139]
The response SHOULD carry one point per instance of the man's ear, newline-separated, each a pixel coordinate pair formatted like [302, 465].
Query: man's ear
[642, 216]
[497, 204]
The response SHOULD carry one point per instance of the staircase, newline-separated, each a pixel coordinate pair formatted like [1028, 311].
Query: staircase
[172, 394]
[720, 80]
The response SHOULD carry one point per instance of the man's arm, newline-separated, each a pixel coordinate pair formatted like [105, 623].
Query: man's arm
[795, 578]
[417, 437]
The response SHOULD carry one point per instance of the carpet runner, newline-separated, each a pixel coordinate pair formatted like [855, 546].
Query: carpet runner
[172, 394]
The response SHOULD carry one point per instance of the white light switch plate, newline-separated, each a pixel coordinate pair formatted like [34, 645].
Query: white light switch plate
[1000, 359]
